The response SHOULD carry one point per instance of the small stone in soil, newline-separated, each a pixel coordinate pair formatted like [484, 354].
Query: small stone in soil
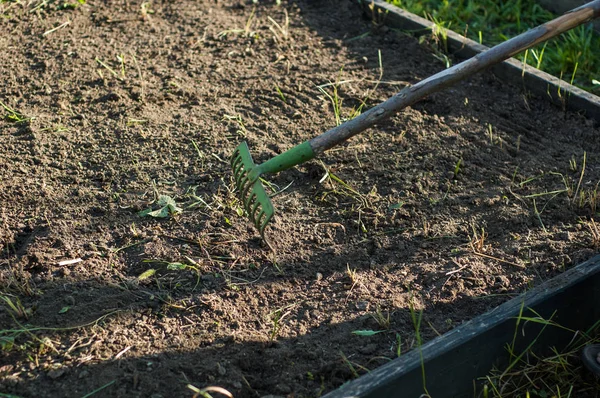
[368, 349]
[237, 385]
[56, 373]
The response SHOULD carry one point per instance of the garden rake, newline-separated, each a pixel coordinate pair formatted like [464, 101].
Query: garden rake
[247, 174]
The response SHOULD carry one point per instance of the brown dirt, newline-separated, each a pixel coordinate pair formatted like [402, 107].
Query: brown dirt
[105, 138]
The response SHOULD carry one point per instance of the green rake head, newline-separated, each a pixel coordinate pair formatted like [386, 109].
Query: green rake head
[250, 189]
[247, 179]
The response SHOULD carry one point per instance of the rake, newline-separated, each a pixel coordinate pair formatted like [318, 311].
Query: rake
[247, 174]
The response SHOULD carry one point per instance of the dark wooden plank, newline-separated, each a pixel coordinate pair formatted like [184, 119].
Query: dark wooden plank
[454, 360]
[540, 83]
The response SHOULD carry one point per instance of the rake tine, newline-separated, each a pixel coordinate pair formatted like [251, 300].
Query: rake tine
[251, 204]
[237, 166]
[238, 172]
[264, 223]
[258, 223]
[245, 189]
[254, 208]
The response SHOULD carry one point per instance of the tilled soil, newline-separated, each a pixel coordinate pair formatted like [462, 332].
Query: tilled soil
[451, 207]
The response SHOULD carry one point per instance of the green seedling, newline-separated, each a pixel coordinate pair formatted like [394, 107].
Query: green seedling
[280, 32]
[108, 68]
[353, 276]
[382, 320]
[121, 59]
[573, 163]
[276, 318]
[171, 266]
[336, 102]
[341, 188]
[146, 9]
[197, 201]
[167, 207]
[439, 32]
[12, 115]
[16, 308]
[246, 32]
[239, 122]
[594, 233]
[538, 56]
[589, 197]
[580, 176]
[477, 240]
[396, 206]
[280, 93]
[356, 112]
[351, 366]
[457, 168]
[70, 6]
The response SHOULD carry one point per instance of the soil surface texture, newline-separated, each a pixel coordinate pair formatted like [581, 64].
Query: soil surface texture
[110, 108]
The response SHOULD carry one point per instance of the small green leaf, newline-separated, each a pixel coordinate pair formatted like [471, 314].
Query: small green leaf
[176, 266]
[396, 205]
[145, 212]
[366, 332]
[147, 274]
[6, 343]
[174, 209]
[167, 206]
[64, 309]
[597, 82]
[163, 212]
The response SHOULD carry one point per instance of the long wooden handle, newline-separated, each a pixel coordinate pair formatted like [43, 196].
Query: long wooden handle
[439, 81]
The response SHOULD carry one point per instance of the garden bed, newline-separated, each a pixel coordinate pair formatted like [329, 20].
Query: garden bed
[450, 208]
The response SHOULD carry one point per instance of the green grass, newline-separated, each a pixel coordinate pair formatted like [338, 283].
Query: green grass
[573, 56]
[557, 374]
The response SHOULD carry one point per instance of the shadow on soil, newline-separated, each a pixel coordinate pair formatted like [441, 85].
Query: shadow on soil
[268, 364]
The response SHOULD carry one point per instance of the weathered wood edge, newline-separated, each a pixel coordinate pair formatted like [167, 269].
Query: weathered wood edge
[383, 381]
[538, 82]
